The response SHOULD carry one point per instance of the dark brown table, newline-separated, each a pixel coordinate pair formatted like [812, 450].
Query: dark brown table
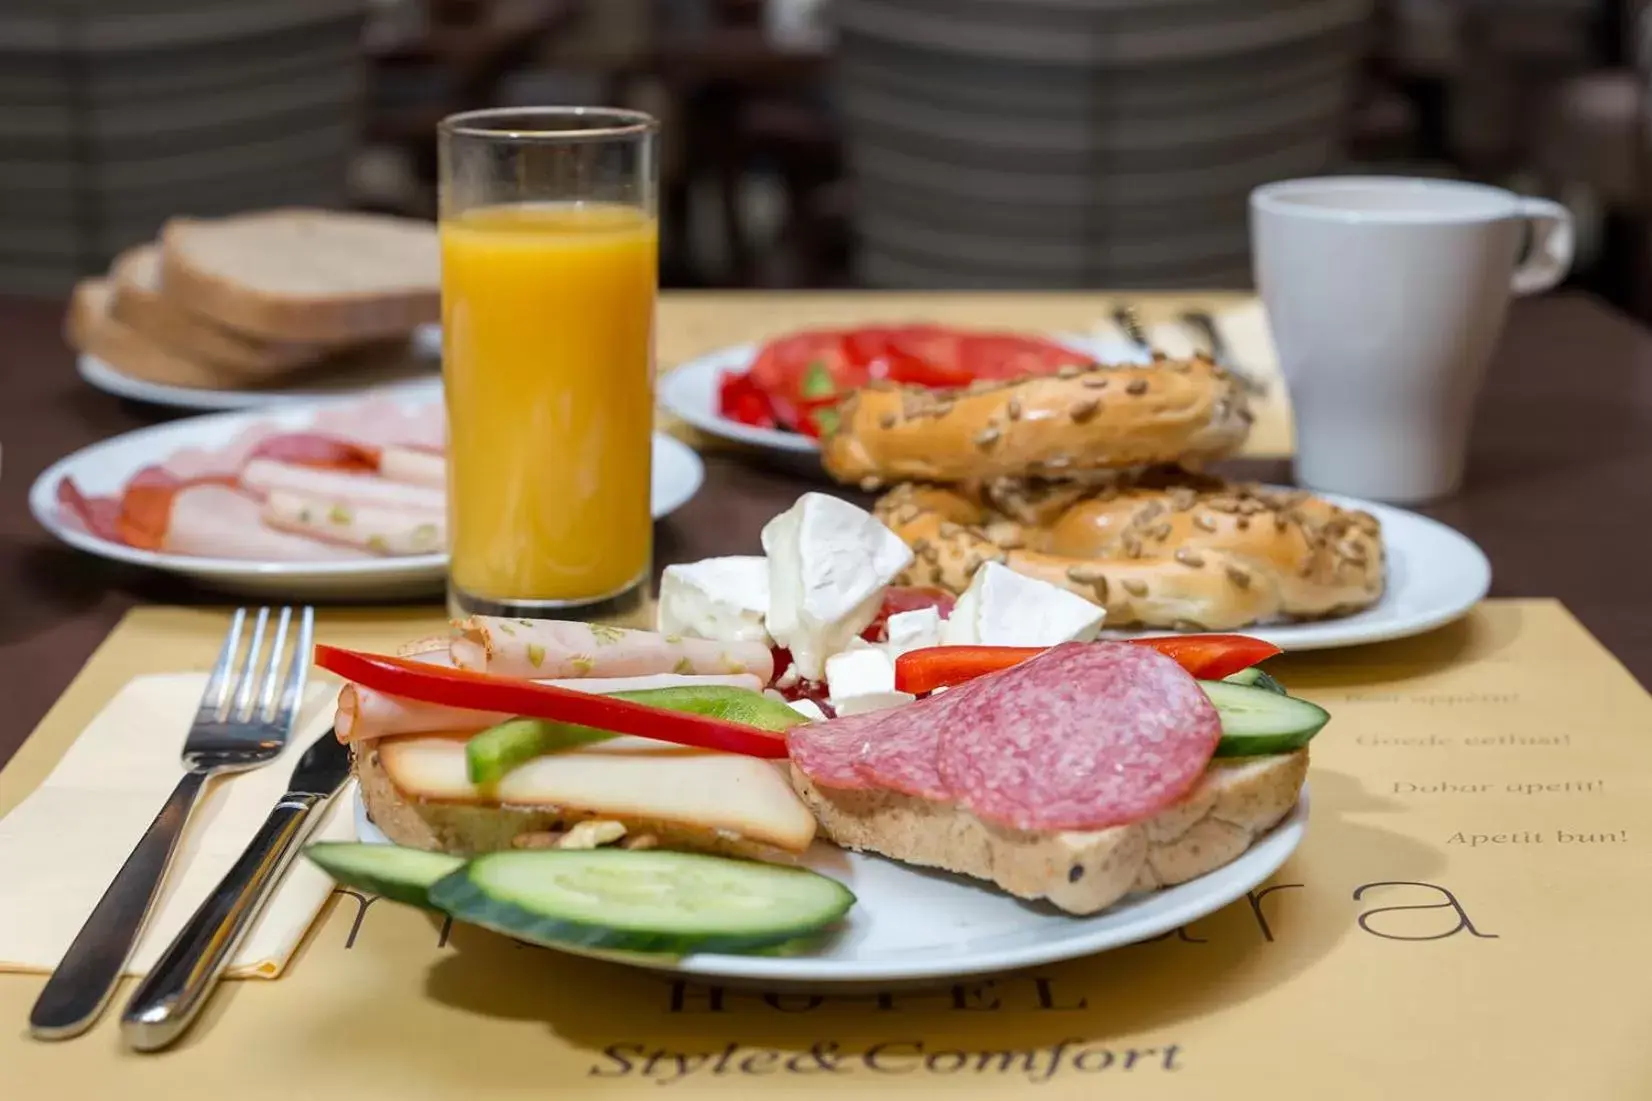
[1557, 493]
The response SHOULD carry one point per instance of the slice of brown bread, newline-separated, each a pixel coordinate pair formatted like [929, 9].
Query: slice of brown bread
[1082, 872]
[306, 275]
[140, 302]
[90, 328]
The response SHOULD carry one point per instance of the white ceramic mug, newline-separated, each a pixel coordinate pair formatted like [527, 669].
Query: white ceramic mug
[1386, 296]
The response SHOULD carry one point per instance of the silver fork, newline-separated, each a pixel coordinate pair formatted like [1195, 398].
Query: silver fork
[240, 725]
[1204, 324]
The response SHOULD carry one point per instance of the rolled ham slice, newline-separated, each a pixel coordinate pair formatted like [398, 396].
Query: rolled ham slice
[364, 714]
[381, 530]
[214, 521]
[553, 648]
[265, 476]
[415, 467]
[395, 462]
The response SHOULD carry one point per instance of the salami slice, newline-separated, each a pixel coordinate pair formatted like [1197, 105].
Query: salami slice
[1082, 737]
[826, 754]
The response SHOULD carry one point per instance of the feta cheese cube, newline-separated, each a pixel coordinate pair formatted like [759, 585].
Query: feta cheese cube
[862, 672]
[913, 630]
[828, 565]
[873, 701]
[809, 708]
[1005, 608]
[725, 599]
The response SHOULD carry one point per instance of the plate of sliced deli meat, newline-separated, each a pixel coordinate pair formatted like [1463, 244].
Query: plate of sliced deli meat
[340, 498]
[781, 394]
[809, 774]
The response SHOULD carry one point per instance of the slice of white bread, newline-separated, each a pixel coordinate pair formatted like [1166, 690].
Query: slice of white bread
[90, 328]
[416, 792]
[1237, 801]
[306, 275]
[141, 304]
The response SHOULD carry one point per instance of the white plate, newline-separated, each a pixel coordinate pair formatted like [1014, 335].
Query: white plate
[912, 926]
[690, 391]
[104, 467]
[426, 361]
[1435, 575]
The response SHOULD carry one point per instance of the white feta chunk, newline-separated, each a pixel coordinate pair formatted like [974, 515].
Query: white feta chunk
[862, 672]
[809, 708]
[829, 563]
[914, 630]
[726, 599]
[873, 701]
[1005, 608]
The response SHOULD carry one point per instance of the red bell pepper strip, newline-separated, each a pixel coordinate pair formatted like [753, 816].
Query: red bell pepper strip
[485, 692]
[1206, 657]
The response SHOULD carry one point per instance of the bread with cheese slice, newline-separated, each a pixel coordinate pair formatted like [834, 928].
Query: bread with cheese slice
[417, 792]
[1082, 872]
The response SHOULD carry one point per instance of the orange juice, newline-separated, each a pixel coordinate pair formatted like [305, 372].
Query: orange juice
[547, 357]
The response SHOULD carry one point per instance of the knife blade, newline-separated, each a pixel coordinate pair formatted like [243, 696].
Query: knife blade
[175, 990]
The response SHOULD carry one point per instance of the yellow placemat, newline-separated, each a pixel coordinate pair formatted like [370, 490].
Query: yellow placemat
[1465, 918]
[693, 323]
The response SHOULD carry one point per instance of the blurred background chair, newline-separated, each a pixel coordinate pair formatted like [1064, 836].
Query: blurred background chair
[114, 120]
[893, 143]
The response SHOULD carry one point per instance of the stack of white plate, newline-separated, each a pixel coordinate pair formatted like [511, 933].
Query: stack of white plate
[119, 116]
[1050, 143]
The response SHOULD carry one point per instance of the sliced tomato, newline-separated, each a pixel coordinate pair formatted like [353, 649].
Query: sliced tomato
[1205, 657]
[741, 399]
[484, 692]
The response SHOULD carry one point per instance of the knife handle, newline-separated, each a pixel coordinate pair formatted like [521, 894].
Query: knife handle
[168, 999]
[83, 981]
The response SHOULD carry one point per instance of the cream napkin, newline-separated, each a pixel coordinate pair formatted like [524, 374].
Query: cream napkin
[61, 846]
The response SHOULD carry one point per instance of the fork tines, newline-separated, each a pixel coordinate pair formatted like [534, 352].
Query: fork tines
[233, 692]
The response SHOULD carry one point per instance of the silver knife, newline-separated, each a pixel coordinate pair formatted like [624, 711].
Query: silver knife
[170, 996]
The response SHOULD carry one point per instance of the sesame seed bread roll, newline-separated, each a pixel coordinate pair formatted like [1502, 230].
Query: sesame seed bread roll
[1077, 420]
[1204, 556]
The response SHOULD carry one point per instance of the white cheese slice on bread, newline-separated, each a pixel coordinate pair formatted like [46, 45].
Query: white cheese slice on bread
[1004, 608]
[726, 599]
[829, 563]
[710, 802]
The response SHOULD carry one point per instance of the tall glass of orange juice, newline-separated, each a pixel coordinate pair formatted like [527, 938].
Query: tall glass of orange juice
[549, 275]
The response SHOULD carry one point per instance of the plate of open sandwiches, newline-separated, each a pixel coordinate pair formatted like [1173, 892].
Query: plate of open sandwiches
[812, 773]
[335, 498]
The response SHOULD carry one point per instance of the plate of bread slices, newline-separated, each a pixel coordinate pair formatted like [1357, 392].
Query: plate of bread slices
[811, 774]
[261, 309]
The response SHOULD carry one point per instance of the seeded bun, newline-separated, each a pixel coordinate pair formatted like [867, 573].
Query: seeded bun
[1168, 550]
[1105, 418]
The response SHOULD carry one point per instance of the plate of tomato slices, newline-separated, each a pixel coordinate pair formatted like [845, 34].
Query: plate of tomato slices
[781, 394]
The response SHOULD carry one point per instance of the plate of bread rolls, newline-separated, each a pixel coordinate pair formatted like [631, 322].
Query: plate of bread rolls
[1094, 477]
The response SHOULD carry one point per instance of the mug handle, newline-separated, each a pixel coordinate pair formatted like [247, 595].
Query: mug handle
[1553, 245]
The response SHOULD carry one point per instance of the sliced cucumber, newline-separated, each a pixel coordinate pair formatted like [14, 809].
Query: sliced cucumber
[641, 901]
[498, 749]
[401, 875]
[1257, 721]
[1255, 678]
[719, 701]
